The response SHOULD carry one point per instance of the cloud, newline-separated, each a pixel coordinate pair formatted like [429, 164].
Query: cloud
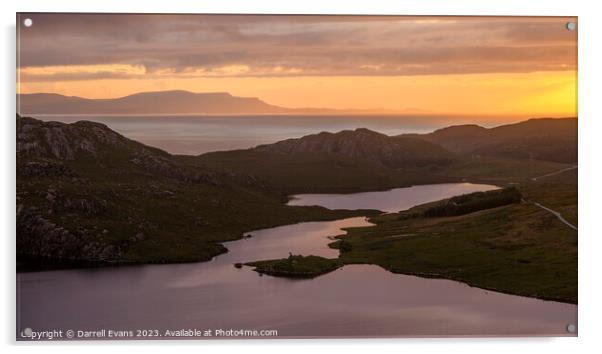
[270, 46]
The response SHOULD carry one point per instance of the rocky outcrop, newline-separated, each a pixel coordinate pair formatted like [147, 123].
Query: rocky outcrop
[86, 205]
[52, 144]
[45, 169]
[64, 141]
[164, 166]
[39, 237]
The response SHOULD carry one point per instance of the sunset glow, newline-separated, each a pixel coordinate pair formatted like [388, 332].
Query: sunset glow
[469, 67]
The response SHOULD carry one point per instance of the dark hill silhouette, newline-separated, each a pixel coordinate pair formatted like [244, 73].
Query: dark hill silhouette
[547, 139]
[365, 144]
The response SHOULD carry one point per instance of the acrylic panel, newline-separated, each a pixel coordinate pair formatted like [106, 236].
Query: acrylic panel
[295, 176]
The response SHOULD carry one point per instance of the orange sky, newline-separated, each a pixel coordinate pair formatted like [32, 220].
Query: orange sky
[472, 66]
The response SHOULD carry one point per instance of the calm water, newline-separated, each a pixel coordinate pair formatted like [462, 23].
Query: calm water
[356, 300]
[391, 200]
[193, 135]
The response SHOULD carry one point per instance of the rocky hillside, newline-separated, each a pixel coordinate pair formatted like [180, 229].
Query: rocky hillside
[90, 141]
[87, 195]
[394, 152]
[544, 139]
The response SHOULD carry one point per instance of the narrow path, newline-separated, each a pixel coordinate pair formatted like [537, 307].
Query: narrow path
[558, 215]
[554, 173]
[554, 212]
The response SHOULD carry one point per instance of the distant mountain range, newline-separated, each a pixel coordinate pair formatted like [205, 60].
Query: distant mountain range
[162, 102]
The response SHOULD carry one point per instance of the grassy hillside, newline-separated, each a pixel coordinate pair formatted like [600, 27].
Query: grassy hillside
[518, 249]
[296, 168]
[499, 171]
[557, 192]
[315, 172]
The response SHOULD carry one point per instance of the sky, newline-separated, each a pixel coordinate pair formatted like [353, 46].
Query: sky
[491, 66]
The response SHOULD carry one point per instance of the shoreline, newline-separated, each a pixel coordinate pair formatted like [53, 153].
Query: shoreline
[339, 260]
[30, 264]
[42, 265]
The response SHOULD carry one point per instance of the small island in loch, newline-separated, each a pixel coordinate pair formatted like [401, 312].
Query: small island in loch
[296, 266]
